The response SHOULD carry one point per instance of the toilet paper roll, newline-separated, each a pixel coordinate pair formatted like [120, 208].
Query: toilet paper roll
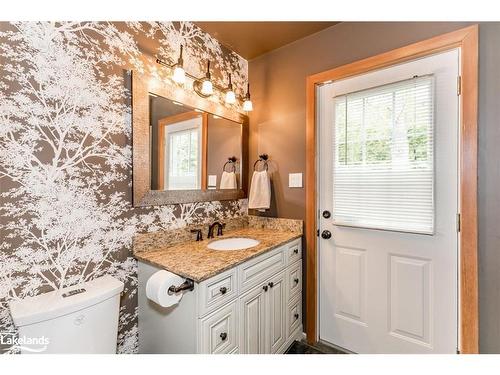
[157, 288]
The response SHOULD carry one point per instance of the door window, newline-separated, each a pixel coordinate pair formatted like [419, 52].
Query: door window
[384, 157]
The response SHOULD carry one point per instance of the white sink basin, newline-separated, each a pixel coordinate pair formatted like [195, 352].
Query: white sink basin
[229, 244]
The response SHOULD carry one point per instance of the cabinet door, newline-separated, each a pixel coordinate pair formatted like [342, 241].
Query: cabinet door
[217, 291]
[219, 331]
[252, 321]
[276, 312]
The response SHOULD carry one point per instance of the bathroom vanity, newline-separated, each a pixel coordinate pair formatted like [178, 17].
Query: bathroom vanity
[246, 293]
[243, 301]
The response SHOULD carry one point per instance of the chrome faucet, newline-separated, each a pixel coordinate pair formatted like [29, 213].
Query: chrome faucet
[211, 228]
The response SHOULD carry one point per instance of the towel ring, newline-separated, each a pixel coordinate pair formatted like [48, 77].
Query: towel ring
[231, 161]
[263, 159]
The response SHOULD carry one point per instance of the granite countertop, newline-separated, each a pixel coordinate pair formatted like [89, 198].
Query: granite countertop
[195, 261]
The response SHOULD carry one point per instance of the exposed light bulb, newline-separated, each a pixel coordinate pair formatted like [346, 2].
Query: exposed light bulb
[247, 105]
[207, 87]
[179, 75]
[230, 97]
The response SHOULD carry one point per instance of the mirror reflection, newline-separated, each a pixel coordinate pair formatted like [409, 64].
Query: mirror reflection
[192, 149]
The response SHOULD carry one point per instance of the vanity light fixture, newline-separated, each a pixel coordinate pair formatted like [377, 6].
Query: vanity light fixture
[230, 95]
[179, 75]
[247, 104]
[207, 88]
[204, 86]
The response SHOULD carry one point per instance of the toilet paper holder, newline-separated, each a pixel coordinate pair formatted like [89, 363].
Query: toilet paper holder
[188, 284]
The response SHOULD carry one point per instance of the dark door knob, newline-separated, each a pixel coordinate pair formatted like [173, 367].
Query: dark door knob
[296, 280]
[223, 336]
[327, 214]
[223, 290]
[265, 287]
[296, 251]
[271, 284]
[326, 234]
[296, 316]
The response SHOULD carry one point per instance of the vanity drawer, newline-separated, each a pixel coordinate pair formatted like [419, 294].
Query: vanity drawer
[294, 251]
[261, 268]
[219, 331]
[294, 316]
[294, 278]
[217, 291]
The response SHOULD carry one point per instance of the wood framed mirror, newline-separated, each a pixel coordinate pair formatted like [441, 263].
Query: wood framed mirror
[185, 149]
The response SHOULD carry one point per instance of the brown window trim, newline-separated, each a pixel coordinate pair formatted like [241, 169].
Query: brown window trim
[184, 116]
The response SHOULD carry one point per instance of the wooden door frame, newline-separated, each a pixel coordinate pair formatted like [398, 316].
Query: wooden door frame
[467, 40]
[160, 145]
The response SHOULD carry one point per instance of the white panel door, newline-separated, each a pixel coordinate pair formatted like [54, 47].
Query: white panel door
[253, 321]
[276, 312]
[381, 290]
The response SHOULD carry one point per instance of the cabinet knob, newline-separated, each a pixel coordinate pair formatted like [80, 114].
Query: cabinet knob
[265, 288]
[223, 336]
[271, 284]
[296, 251]
[223, 290]
[296, 316]
[296, 280]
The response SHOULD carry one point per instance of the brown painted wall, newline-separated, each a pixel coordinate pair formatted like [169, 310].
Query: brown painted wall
[277, 126]
[489, 182]
[224, 141]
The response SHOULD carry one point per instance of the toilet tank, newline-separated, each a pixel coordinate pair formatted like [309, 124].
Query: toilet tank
[79, 319]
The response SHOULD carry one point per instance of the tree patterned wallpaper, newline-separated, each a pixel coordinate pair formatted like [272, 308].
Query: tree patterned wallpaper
[65, 153]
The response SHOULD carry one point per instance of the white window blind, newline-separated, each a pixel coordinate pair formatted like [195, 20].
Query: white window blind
[384, 157]
[183, 155]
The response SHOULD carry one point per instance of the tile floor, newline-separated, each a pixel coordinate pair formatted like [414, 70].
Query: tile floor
[302, 347]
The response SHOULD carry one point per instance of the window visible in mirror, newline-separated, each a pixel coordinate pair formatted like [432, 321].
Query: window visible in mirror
[183, 167]
[188, 145]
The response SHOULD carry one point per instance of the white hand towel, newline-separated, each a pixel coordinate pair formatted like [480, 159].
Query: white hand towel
[260, 191]
[228, 180]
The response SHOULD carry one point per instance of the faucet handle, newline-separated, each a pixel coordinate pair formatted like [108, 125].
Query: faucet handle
[219, 229]
[199, 235]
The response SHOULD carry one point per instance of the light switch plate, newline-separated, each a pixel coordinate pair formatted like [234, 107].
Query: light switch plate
[212, 180]
[295, 180]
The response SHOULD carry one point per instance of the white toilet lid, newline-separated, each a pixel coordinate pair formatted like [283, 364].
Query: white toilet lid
[61, 302]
